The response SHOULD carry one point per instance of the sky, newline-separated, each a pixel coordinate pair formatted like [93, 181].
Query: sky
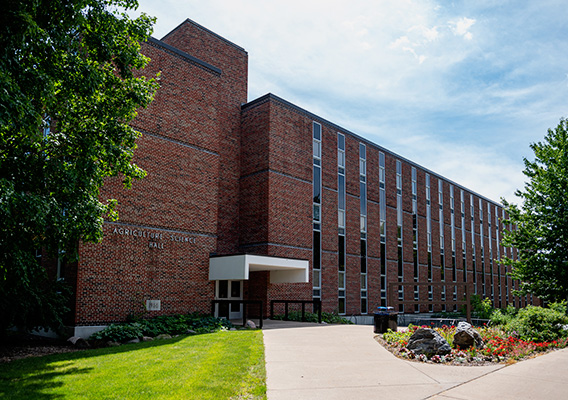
[460, 87]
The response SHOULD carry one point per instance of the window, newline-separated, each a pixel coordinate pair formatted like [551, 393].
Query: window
[317, 140]
[442, 255]
[316, 247]
[363, 227]
[399, 230]
[382, 217]
[429, 239]
[341, 275]
[362, 160]
[482, 248]
[464, 259]
[341, 306]
[415, 236]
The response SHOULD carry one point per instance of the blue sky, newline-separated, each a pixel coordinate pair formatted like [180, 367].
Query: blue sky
[460, 87]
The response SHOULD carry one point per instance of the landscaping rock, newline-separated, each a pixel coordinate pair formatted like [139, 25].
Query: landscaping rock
[466, 336]
[190, 332]
[428, 342]
[78, 342]
[147, 338]
[134, 341]
[110, 343]
[163, 336]
[250, 324]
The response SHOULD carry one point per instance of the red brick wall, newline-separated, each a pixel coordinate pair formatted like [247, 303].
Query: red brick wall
[233, 60]
[117, 276]
[189, 131]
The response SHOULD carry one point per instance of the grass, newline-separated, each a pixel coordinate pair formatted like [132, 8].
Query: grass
[222, 365]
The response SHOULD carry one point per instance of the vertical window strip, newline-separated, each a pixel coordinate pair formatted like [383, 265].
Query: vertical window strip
[341, 306]
[363, 206]
[429, 239]
[473, 253]
[316, 259]
[442, 255]
[453, 234]
[399, 230]
[513, 282]
[491, 271]
[464, 260]
[383, 217]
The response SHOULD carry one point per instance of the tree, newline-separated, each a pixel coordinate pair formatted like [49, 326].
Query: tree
[69, 86]
[540, 223]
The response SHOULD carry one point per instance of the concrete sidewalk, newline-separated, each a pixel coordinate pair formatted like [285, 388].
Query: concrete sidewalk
[311, 361]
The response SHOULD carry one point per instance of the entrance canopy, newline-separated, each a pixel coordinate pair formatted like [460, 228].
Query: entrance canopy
[237, 267]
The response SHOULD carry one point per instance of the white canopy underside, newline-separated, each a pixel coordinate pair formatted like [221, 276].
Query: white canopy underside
[237, 267]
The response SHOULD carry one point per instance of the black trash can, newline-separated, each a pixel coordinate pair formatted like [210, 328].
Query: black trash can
[385, 318]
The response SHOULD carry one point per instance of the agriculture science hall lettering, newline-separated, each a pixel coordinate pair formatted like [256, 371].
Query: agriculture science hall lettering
[157, 239]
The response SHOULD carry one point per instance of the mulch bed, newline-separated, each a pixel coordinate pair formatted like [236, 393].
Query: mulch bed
[469, 363]
[17, 347]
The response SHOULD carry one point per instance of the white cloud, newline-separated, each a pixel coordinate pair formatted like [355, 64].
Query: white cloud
[461, 27]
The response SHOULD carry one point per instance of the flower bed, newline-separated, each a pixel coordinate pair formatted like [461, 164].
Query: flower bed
[500, 347]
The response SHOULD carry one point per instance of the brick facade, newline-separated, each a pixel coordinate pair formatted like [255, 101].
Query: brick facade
[228, 177]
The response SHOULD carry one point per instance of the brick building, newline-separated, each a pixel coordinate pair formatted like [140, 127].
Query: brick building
[265, 200]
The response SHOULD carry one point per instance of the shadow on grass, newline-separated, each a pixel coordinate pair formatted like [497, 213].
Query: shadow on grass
[34, 377]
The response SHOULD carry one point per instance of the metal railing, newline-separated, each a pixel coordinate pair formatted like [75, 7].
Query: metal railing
[467, 291]
[316, 306]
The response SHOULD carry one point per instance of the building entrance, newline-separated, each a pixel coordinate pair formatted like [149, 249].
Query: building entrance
[229, 290]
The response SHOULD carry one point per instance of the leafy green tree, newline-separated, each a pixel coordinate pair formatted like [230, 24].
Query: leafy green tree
[69, 86]
[540, 223]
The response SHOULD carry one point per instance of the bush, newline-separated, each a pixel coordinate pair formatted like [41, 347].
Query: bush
[165, 324]
[503, 317]
[482, 308]
[538, 324]
[560, 307]
[119, 332]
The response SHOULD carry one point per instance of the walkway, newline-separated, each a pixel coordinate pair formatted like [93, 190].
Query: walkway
[310, 361]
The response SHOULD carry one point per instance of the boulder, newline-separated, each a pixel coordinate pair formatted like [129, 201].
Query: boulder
[466, 336]
[428, 342]
[250, 324]
[136, 340]
[147, 338]
[163, 336]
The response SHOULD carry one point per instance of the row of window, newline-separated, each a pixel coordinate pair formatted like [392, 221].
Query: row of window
[317, 190]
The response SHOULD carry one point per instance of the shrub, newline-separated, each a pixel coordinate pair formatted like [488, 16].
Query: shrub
[538, 324]
[482, 308]
[560, 307]
[501, 318]
[165, 324]
[119, 332]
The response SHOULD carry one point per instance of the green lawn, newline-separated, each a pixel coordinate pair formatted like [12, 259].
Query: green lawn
[222, 365]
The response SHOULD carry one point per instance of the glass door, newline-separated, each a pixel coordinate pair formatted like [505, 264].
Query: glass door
[229, 290]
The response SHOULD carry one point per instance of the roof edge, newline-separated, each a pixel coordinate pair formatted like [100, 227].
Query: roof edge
[271, 97]
[183, 54]
[190, 21]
